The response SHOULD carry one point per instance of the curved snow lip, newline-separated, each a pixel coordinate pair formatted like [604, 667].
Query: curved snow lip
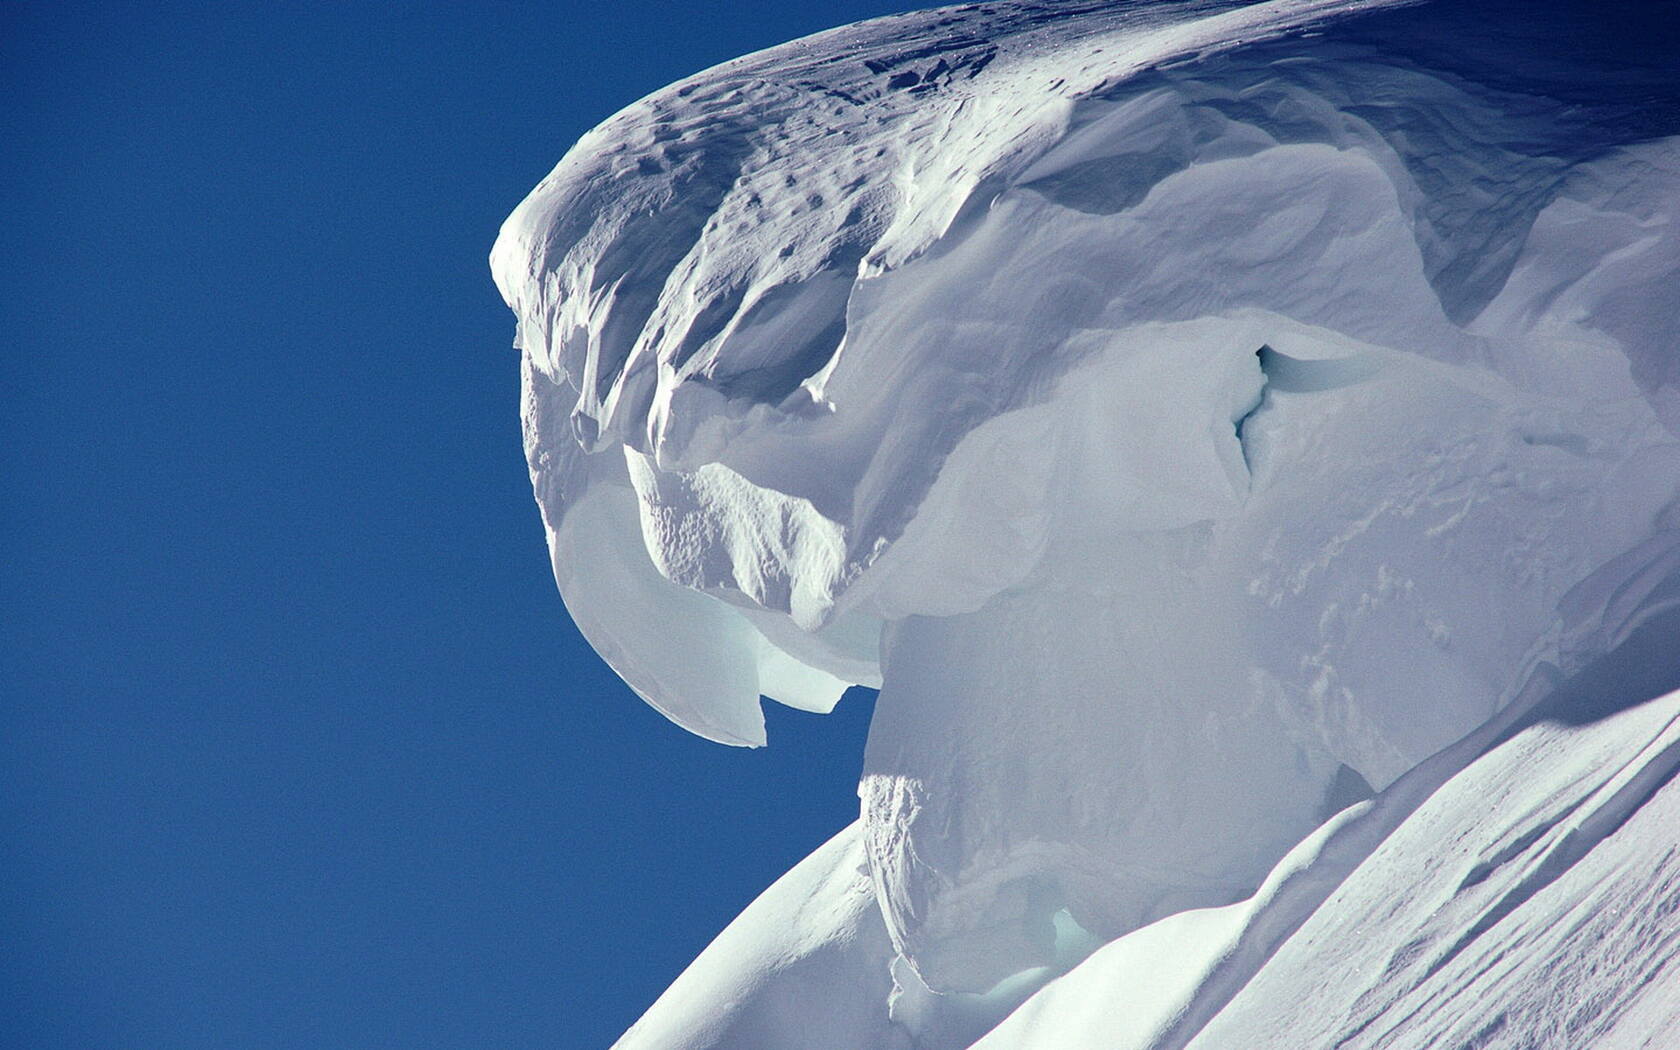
[684, 281]
[1157, 402]
[695, 278]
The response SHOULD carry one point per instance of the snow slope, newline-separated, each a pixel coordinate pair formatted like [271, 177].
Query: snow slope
[1195, 418]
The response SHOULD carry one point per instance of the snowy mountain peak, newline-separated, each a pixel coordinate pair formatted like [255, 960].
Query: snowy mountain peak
[1195, 418]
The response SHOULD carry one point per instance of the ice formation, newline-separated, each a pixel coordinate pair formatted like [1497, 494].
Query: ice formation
[1239, 441]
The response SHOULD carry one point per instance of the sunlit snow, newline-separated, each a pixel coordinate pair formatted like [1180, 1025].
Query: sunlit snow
[1195, 418]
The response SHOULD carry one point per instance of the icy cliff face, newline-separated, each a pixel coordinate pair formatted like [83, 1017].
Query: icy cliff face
[1194, 417]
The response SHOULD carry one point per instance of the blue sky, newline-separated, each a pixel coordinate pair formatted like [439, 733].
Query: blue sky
[298, 747]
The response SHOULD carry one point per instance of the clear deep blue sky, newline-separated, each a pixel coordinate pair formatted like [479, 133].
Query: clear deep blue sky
[297, 745]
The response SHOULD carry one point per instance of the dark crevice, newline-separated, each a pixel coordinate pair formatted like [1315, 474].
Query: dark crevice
[1346, 788]
[1241, 421]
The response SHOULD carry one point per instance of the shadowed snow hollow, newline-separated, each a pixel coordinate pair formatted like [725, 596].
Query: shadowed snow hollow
[1195, 418]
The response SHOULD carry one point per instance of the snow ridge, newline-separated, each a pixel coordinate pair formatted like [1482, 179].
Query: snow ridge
[1185, 414]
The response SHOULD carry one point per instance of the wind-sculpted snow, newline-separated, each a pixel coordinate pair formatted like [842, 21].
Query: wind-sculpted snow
[1194, 418]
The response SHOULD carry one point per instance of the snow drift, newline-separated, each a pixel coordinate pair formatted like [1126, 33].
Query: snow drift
[1196, 418]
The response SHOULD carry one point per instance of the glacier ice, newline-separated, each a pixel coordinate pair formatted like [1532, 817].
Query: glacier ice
[1193, 417]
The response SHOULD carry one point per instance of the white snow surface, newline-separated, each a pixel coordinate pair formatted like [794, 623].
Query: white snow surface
[1195, 418]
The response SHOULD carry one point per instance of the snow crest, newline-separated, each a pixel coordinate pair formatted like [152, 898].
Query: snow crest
[1196, 418]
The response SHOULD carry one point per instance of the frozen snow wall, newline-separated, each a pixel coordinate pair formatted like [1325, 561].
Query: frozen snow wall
[1192, 416]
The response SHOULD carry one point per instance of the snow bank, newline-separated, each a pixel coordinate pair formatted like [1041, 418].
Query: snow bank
[809, 956]
[1192, 416]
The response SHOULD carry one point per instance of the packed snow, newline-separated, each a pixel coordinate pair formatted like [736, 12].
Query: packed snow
[1240, 443]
